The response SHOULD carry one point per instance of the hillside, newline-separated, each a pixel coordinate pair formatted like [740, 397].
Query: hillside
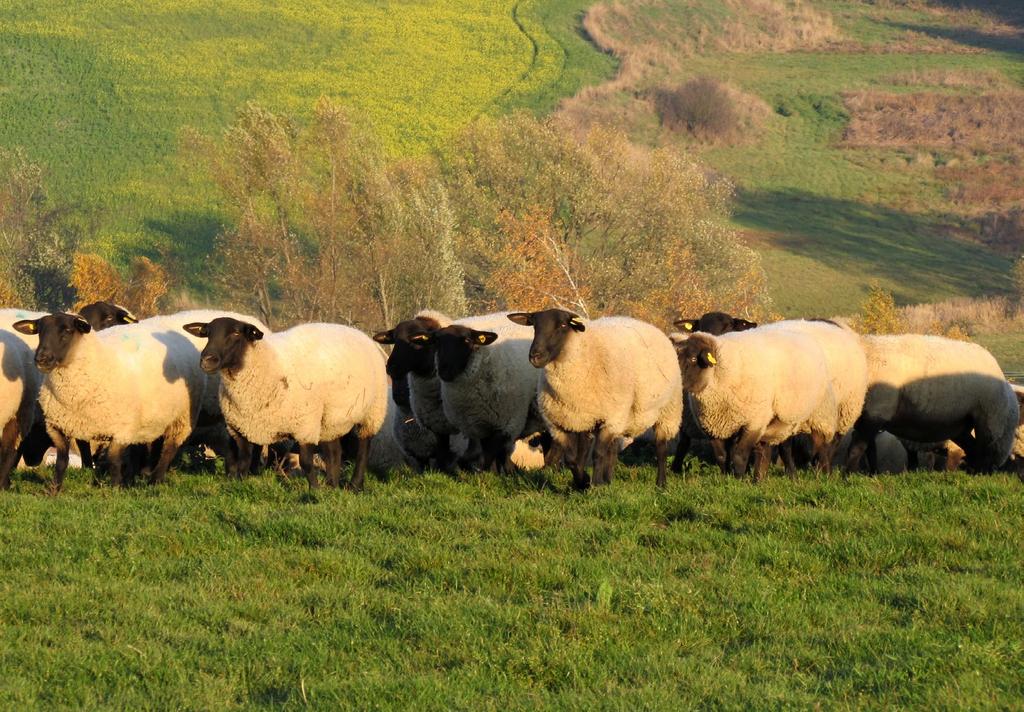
[99, 92]
[877, 141]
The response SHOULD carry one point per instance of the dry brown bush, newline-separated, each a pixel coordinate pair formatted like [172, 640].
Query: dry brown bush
[776, 26]
[970, 316]
[949, 78]
[95, 279]
[710, 110]
[993, 120]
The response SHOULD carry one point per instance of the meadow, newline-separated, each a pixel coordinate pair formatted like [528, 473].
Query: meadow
[486, 593]
[833, 209]
[99, 92]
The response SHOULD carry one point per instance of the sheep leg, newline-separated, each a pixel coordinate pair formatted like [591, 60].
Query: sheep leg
[786, 453]
[606, 455]
[763, 456]
[822, 452]
[115, 455]
[718, 448]
[442, 454]
[359, 471]
[741, 451]
[661, 454]
[85, 452]
[63, 445]
[8, 451]
[863, 438]
[332, 454]
[682, 447]
[913, 460]
[572, 447]
[306, 463]
[243, 455]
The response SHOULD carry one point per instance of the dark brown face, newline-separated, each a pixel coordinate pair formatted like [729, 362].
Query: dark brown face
[228, 340]
[58, 334]
[696, 360]
[714, 323]
[413, 352]
[103, 315]
[551, 329]
[453, 347]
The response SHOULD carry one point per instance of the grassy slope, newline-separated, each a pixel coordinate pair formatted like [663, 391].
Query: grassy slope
[98, 92]
[434, 594]
[830, 220]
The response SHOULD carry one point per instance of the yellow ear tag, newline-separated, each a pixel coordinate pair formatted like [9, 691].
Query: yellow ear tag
[712, 360]
[688, 326]
[574, 322]
[482, 339]
[419, 337]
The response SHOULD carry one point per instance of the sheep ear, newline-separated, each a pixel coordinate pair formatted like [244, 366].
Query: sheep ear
[82, 325]
[385, 337]
[576, 324]
[126, 316]
[521, 318]
[742, 324]
[484, 337]
[252, 333]
[685, 324]
[26, 326]
[424, 338]
[707, 359]
[197, 329]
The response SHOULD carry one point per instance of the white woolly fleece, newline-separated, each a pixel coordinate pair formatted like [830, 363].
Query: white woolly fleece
[620, 372]
[930, 388]
[130, 384]
[19, 382]
[495, 392]
[313, 382]
[772, 382]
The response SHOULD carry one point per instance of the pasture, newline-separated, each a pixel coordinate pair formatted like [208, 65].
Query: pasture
[488, 593]
[99, 92]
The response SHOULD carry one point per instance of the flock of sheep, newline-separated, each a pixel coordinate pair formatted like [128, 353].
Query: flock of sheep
[505, 390]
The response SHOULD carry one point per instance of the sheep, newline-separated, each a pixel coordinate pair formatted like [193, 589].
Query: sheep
[415, 385]
[103, 315]
[313, 382]
[762, 385]
[613, 377]
[211, 429]
[19, 389]
[891, 454]
[930, 388]
[36, 442]
[488, 388]
[716, 324]
[1017, 455]
[848, 372]
[126, 385]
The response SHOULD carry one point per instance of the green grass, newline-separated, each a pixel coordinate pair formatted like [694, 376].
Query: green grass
[98, 92]
[483, 594]
[831, 220]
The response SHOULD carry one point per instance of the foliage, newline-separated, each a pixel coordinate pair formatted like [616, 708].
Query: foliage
[701, 106]
[36, 239]
[1018, 278]
[879, 314]
[430, 593]
[94, 279]
[598, 225]
[325, 226]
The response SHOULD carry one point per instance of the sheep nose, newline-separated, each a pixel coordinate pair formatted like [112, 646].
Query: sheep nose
[537, 359]
[45, 362]
[209, 363]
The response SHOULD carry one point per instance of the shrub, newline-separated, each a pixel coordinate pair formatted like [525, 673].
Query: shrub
[95, 279]
[703, 107]
[879, 314]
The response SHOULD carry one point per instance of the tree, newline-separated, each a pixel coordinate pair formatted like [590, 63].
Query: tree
[598, 226]
[879, 313]
[95, 279]
[37, 240]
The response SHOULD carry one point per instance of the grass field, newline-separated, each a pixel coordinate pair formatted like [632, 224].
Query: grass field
[98, 92]
[829, 216]
[428, 593]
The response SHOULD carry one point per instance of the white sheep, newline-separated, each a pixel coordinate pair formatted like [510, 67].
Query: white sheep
[613, 377]
[488, 388]
[762, 385]
[930, 388]
[847, 368]
[19, 390]
[36, 442]
[125, 385]
[211, 429]
[314, 383]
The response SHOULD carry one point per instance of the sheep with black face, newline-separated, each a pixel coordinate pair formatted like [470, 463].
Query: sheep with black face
[613, 378]
[125, 385]
[103, 315]
[487, 385]
[314, 383]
